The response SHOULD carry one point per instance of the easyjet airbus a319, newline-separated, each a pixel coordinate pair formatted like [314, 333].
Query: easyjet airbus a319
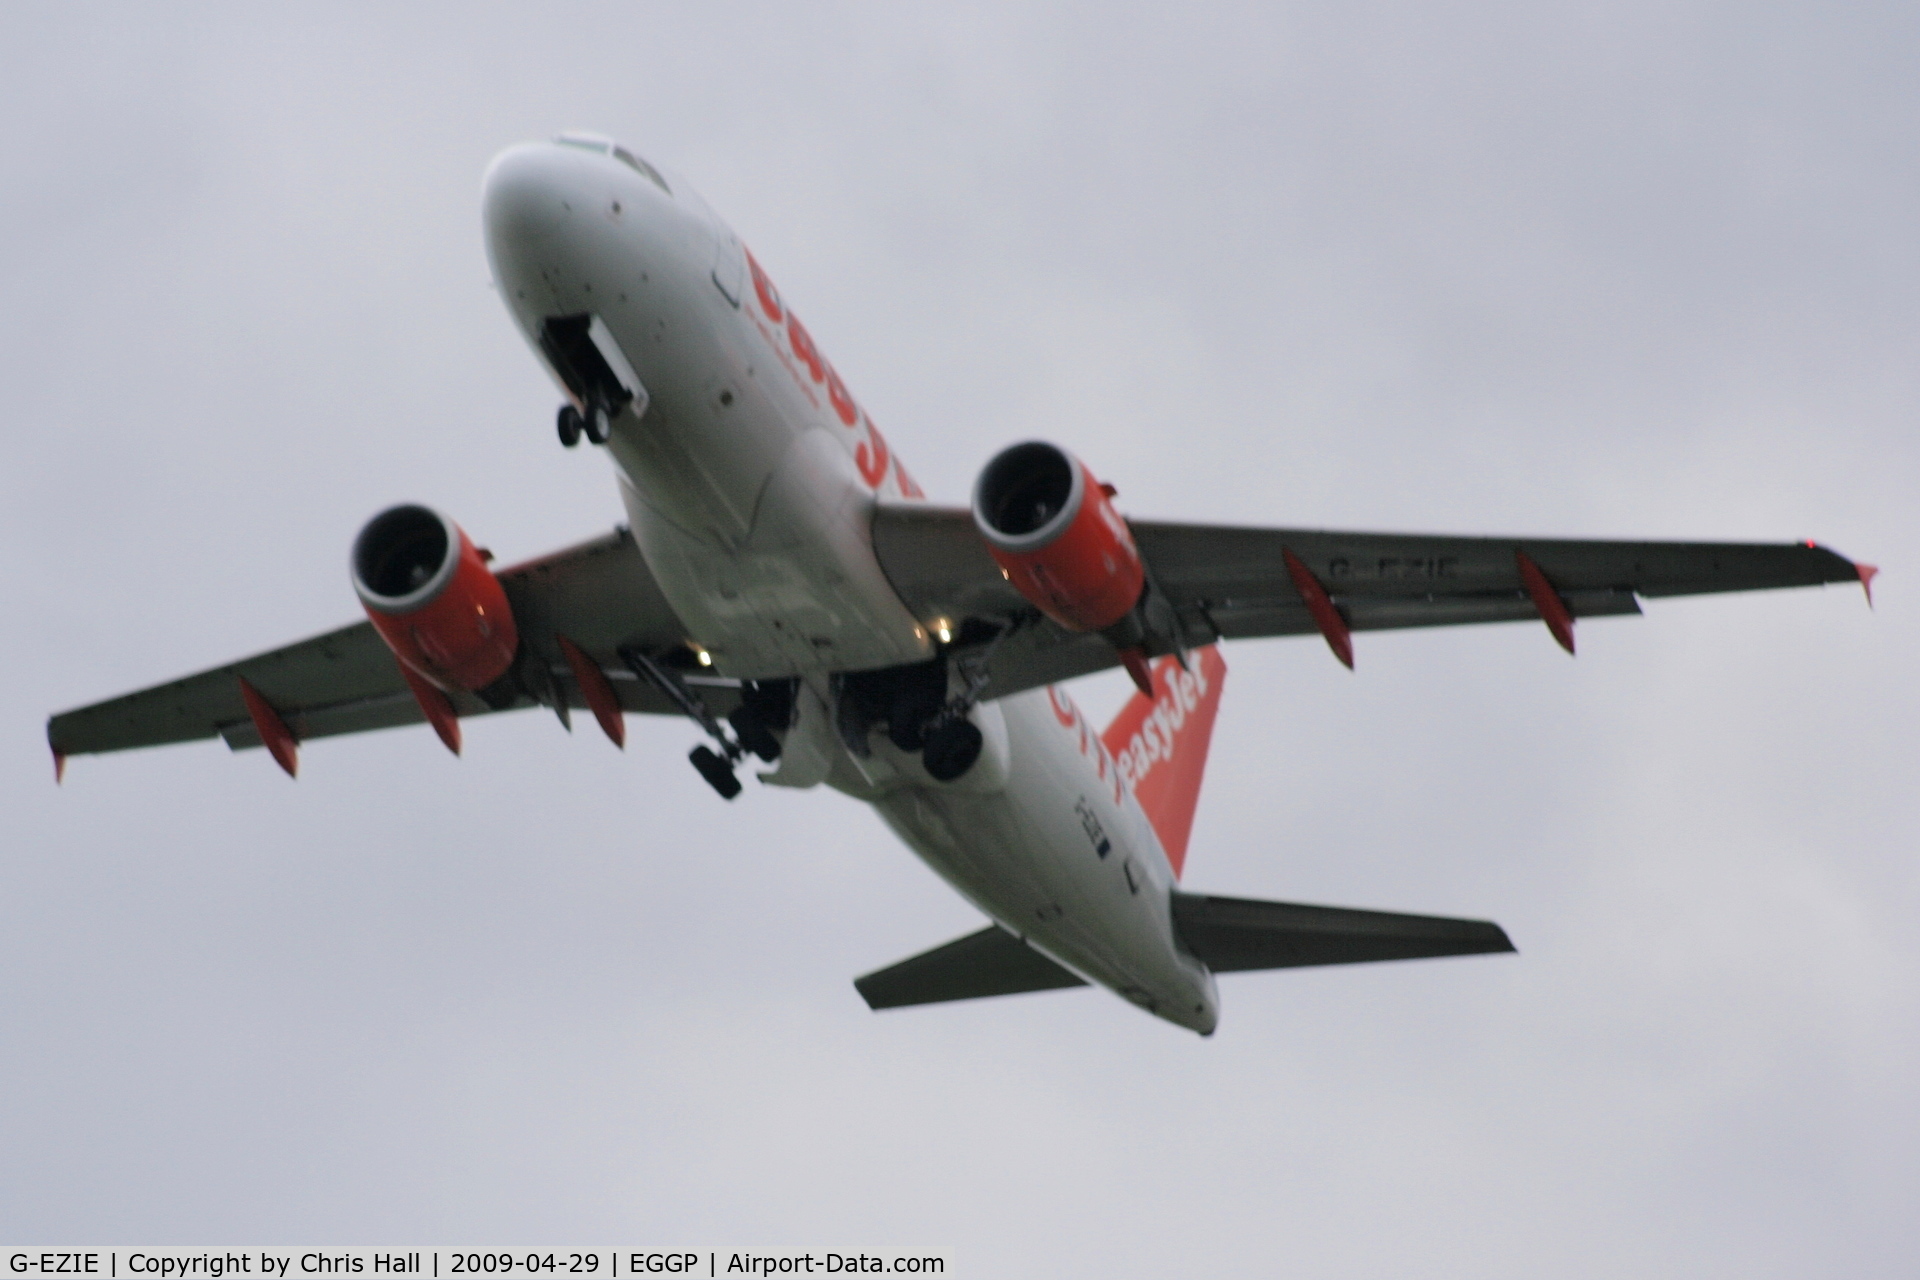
[783, 583]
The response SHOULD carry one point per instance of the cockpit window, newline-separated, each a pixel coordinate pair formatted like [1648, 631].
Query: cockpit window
[642, 168]
[606, 146]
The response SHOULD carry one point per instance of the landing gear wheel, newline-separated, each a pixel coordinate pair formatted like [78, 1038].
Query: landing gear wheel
[598, 424]
[906, 733]
[570, 425]
[753, 733]
[717, 772]
[917, 703]
[952, 747]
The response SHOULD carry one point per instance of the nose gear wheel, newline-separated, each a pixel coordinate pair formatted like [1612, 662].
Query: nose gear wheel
[598, 423]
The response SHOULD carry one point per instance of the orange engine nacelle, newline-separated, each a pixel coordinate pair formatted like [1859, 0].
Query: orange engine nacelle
[1050, 527]
[433, 599]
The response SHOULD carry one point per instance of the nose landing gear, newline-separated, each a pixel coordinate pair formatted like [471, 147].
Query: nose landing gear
[584, 355]
[596, 424]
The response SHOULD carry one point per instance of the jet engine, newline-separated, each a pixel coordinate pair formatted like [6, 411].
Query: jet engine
[1053, 531]
[433, 600]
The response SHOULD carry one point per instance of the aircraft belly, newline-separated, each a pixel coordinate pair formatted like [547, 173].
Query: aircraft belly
[815, 577]
[1030, 856]
[756, 525]
[802, 593]
[708, 441]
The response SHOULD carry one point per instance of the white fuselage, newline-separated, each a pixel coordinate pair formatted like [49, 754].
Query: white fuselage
[750, 481]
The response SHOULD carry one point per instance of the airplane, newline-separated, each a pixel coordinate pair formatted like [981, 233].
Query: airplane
[782, 582]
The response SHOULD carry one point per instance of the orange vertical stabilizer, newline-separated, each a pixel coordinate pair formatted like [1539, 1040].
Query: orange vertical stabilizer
[1161, 744]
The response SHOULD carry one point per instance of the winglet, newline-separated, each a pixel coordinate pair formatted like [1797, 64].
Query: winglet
[274, 734]
[1867, 572]
[59, 766]
[597, 689]
[1320, 605]
[1553, 610]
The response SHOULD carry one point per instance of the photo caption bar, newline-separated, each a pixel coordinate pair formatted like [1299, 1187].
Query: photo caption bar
[175, 1263]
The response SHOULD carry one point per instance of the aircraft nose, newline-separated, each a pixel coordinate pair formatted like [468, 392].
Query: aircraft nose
[572, 223]
[530, 195]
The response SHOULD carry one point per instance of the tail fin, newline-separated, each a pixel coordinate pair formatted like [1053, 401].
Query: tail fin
[1161, 744]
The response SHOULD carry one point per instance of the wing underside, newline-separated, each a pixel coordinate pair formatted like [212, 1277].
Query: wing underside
[599, 594]
[1221, 583]
[1231, 583]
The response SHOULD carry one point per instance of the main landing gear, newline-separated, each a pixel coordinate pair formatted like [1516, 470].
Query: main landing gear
[919, 713]
[916, 704]
[764, 707]
[952, 745]
[717, 771]
[596, 424]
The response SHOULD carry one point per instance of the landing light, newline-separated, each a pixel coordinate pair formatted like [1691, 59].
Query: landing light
[705, 658]
[944, 629]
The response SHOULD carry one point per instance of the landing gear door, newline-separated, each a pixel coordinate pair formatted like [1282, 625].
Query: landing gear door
[806, 755]
[583, 354]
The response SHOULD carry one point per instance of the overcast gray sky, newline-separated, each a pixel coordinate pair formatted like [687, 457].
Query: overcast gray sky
[1621, 269]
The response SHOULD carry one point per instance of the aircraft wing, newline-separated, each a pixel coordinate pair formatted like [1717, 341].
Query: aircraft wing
[599, 594]
[1227, 582]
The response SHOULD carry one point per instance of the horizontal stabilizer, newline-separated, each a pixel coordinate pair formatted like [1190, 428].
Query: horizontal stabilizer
[991, 962]
[1229, 934]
